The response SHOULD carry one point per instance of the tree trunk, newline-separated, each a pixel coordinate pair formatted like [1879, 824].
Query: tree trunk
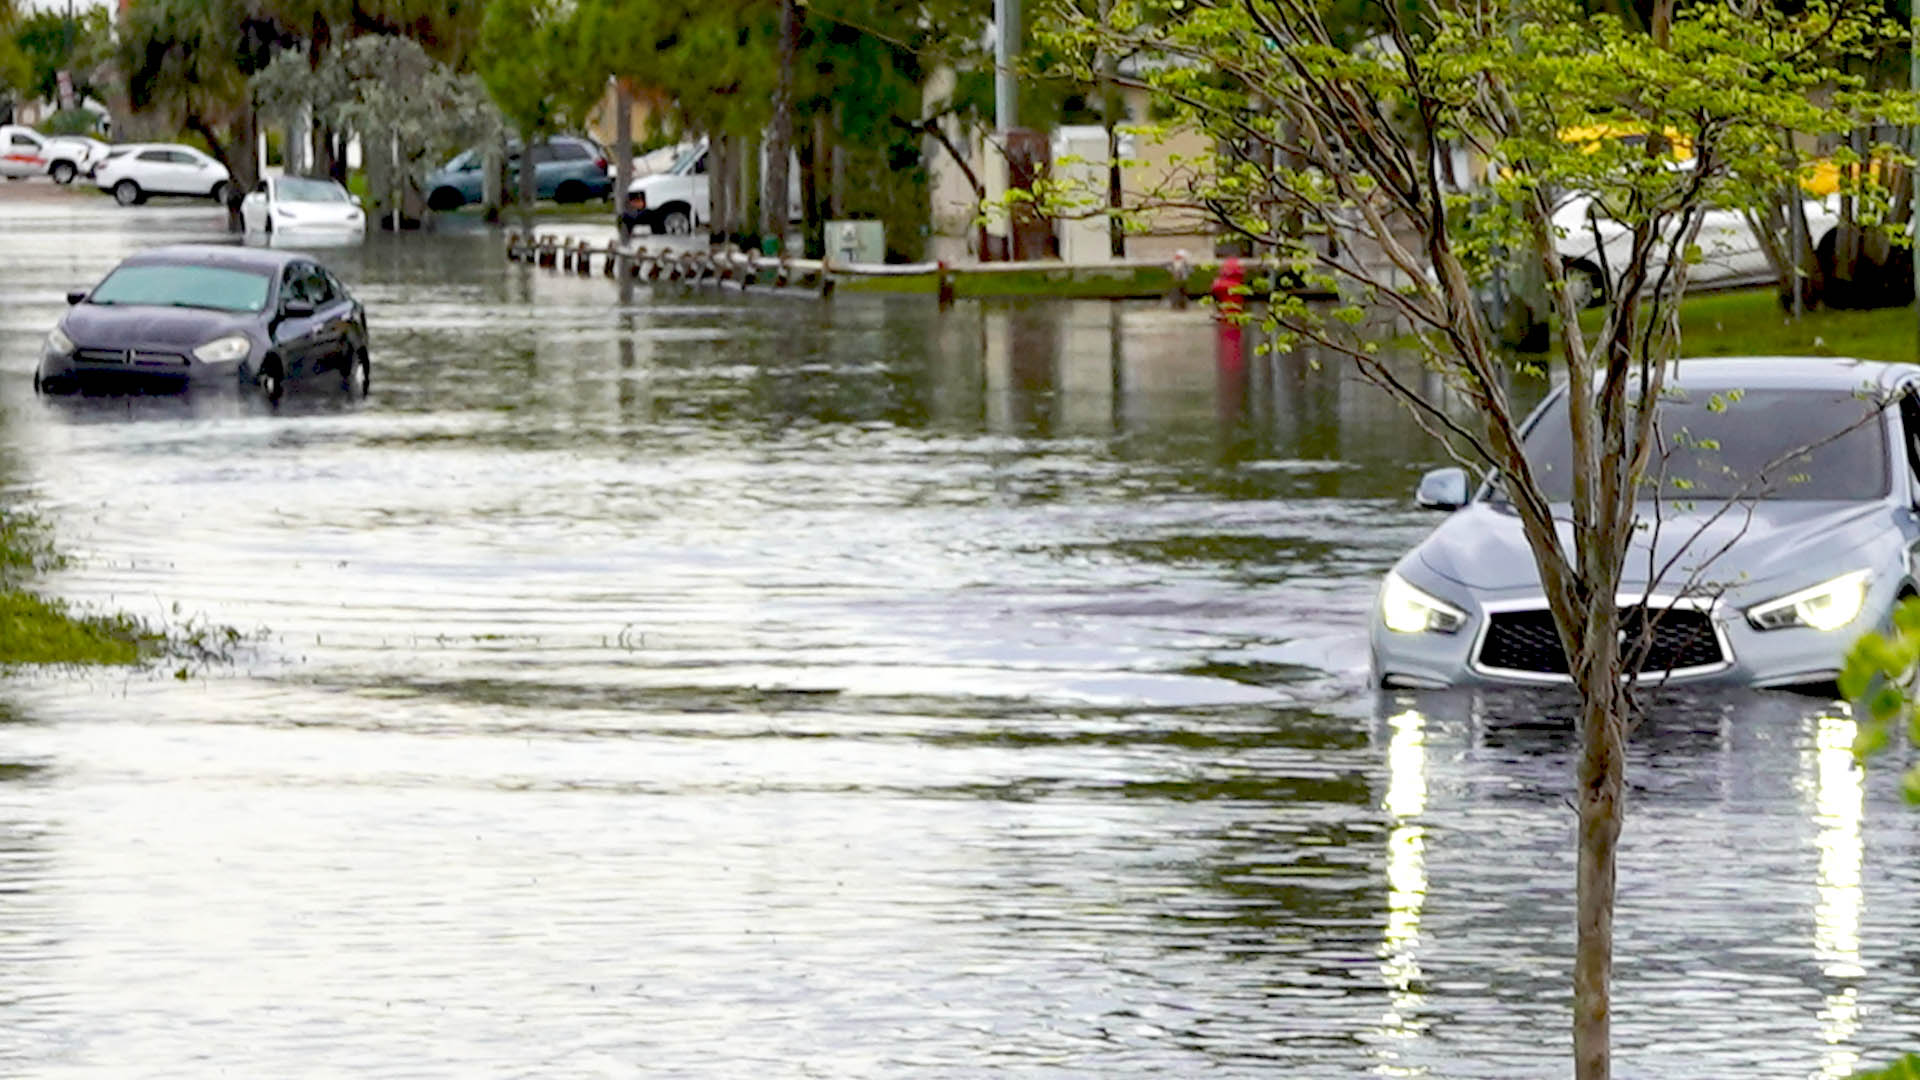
[719, 193]
[528, 186]
[622, 143]
[753, 151]
[1112, 112]
[813, 241]
[1602, 783]
[773, 201]
[493, 185]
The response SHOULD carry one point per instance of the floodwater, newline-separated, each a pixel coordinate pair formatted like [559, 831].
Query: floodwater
[706, 686]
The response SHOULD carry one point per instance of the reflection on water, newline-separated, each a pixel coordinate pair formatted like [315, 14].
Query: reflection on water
[1406, 799]
[1839, 797]
[662, 680]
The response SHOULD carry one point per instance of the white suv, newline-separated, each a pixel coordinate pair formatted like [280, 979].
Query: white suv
[134, 172]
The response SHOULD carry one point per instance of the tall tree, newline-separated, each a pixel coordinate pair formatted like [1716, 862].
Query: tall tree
[188, 62]
[539, 70]
[1319, 139]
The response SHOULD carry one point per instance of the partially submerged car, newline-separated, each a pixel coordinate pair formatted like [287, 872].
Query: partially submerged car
[1820, 461]
[288, 206]
[197, 314]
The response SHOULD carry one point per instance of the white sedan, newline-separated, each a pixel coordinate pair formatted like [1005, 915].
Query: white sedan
[134, 172]
[1593, 247]
[290, 205]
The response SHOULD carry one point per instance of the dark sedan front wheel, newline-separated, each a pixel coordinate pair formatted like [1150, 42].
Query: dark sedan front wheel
[271, 380]
[357, 377]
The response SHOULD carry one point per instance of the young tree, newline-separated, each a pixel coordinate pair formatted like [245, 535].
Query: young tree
[1318, 140]
[392, 94]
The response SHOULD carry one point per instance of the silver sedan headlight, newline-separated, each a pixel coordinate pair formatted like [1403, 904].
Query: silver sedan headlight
[1829, 605]
[58, 343]
[224, 350]
[1407, 610]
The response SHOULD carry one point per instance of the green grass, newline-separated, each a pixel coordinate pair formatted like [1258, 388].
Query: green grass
[1752, 323]
[37, 630]
[1065, 282]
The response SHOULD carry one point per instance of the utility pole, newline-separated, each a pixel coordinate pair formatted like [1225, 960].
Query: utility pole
[1006, 112]
[1006, 51]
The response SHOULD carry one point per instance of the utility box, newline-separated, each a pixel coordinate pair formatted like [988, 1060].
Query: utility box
[1080, 165]
[856, 242]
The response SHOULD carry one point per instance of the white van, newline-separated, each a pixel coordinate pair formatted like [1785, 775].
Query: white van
[680, 200]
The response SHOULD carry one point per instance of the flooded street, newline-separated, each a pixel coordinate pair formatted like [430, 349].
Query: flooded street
[716, 686]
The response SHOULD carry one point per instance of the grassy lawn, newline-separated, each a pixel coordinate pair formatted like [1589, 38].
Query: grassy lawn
[1751, 323]
[38, 630]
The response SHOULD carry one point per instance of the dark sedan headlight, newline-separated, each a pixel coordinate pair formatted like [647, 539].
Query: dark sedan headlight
[224, 350]
[1407, 610]
[1829, 605]
[58, 343]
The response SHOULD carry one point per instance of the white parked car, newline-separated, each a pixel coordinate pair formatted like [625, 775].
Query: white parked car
[288, 205]
[1593, 247]
[23, 152]
[134, 172]
[70, 156]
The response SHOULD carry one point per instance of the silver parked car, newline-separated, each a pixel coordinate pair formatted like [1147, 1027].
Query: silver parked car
[1822, 459]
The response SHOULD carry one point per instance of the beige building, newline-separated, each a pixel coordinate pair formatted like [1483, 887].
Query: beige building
[1153, 168]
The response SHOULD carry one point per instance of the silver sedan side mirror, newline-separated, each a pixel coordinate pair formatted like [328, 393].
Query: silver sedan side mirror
[1442, 489]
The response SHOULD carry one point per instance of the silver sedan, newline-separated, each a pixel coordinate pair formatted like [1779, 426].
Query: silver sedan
[1821, 461]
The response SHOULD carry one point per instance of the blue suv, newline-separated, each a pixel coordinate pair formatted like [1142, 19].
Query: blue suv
[566, 168]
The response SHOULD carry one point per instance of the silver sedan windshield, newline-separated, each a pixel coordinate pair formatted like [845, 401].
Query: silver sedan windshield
[1731, 444]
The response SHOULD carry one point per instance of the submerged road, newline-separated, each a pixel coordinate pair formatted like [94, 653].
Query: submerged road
[696, 685]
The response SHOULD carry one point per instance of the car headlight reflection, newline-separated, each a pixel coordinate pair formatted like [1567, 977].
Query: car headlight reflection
[58, 343]
[1829, 605]
[224, 350]
[1407, 610]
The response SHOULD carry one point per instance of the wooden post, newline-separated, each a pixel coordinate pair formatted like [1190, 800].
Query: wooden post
[945, 288]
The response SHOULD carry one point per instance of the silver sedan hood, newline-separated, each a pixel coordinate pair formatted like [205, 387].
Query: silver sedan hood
[1483, 547]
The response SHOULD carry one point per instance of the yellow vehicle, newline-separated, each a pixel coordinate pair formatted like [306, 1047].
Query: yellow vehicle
[1593, 136]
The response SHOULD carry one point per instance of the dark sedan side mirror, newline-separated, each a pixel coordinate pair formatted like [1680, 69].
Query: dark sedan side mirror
[74, 296]
[1442, 489]
[296, 309]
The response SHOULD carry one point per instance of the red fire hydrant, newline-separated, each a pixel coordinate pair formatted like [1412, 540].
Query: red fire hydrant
[1228, 296]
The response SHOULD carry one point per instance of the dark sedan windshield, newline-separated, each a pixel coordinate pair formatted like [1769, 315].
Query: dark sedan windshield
[1732, 444]
[215, 287]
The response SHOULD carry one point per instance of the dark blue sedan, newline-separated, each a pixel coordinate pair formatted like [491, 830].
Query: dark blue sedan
[207, 314]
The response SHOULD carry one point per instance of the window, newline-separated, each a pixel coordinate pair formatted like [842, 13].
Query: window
[570, 152]
[24, 140]
[161, 156]
[543, 153]
[175, 285]
[1727, 445]
[298, 189]
[318, 288]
